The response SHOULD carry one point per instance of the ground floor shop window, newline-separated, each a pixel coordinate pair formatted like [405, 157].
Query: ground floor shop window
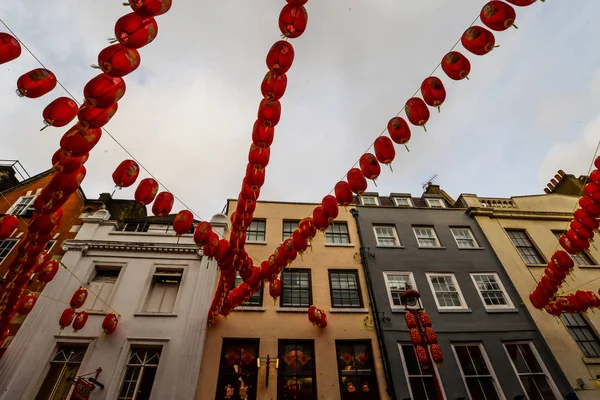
[238, 370]
[356, 370]
[296, 378]
[64, 366]
[140, 373]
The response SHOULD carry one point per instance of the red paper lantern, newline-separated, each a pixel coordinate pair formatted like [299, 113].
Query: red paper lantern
[36, 83]
[212, 246]
[280, 57]
[103, 91]
[297, 2]
[117, 60]
[91, 117]
[369, 166]
[62, 162]
[42, 224]
[275, 288]
[415, 337]
[430, 336]
[150, 8]
[66, 318]
[255, 177]
[520, 3]
[262, 136]
[110, 322]
[568, 245]
[293, 20]
[300, 241]
[329, 204]
[126, 173]
[536, 300]
[258, 157]
[289, 251]
[312, 313]
[254, 280]
[456, 66]
[436, 355]
[399, 130]
[48, 271]
[60, 112]
[357, 181]
[273, 86]
[384, 150]
[417, 112]
[269, 113]
[498, 15]
[135, 31]
[203, 233]
[597, 162]
[577, 241]
[10, 48]
[320, 219]
[425, 320]
[411, 322]
[146, 191]
[307, 227]
[80, 319]
[323, 321]
[588, 205]
[8, 224]
[245, 207]
[63, 185]
[433, 92]
[79, 298]
[163, 204]
[422, 357]
[183, 222]
[593, 190]
[26, 304]
[581, 230]
[576, 305]
[478, 40]
[594, 175]
[343, 193]
[586, 219]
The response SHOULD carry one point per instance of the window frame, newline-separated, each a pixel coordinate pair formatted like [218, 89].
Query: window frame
[409, 200]
[283, 231]
[539, 360]
[376, 198]
[28, 209]
[158, 269]
[15, 241]
[246, 305]
[532, 243]
[257, 231]
[463, 305]
[94, 272]
[281, 343]
[435, 370]
[134, 348]
[310, 292]
[488, 365]
[435, 236]
[358, 289]
[394, 231]
[472, 237]
[585, 254]
[587, 326]
[508, 306]
[329, 231]
[247, 342]
[428, 201]
[374, 390]
[411, 279]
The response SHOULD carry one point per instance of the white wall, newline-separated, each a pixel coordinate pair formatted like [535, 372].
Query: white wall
[182, 334]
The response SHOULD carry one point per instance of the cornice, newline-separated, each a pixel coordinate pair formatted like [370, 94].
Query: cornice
[518, 214]
[130, 247]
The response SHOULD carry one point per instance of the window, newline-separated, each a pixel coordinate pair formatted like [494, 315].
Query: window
[163, 290]
[296, 377]
[521, 241]
[238, 360]
[402, 201]
[5, 247]
[477, 374]
[435, 203]
[336, 233]
[531, 371]
[356, 370]
[254, 300]
[296, 288]
[464, 238]
[140, 373]
[289, 226]
[421, 383]
[64, 365]
[446, 292]
[426, 236]
[582, 258]
[23, 206]
[103, 284]
[50, 244]
[369, 200]
[492, 292]
[256, 231]
[345, 292]
[582, 332]
[386, 235]
[396, 283]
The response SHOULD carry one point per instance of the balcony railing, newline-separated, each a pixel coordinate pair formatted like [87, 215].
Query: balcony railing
[148, 227]
[497, 203]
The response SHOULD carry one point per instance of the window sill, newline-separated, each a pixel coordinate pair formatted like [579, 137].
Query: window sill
[591, 360]
[293, 309]
[432, 248]
[154, 314]
[455, 310]
[349, 310]
[156, 234]
[250, 308]
[339, 244]
[587, 266]
[501, 310]
[261, 243]
[536, 265]
[390, 247]
[471, 248]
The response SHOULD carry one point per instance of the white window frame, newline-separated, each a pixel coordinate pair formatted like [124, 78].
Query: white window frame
[435, 237]
[264, 241]
[553, 386]
[508, 306]
[16, 241]
[148, 290]
[27, 207]
[463, 305]
[411, 279]
[472, 237]
[489, 366]
[99, 265]
[396, 198]
[435, 371]
[395, 233]
[362, 200]
[428, 201]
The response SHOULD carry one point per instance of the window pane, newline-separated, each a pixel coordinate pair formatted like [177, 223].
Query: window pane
[65, 364]
[5, 247]
[530, 372]
[337, 233]
[356, 371]
[490, 290]
[296, 288]
[528, 252]
[344, 289]
[288, 229]
[256, 231]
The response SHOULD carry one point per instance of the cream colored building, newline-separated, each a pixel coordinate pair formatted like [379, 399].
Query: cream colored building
[320, 363]
[523, 232]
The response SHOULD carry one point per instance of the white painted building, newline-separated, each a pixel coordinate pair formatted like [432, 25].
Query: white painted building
[162, 288]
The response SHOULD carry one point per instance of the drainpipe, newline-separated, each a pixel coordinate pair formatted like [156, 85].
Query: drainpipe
[364, 260]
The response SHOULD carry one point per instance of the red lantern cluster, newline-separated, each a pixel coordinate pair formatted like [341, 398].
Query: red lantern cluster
[423, 337]
[317, 317]
[8, 224]
[71, 315]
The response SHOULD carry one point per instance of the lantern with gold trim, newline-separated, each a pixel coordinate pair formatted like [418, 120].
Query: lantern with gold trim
[149, 8]
[126, 173]
[163, 204]
[10, 49]
[110, 322]
[498, 15]
[369, 166]
[329, 204]
[436, 355]
[79, 298]
[273, 86]
[117, 60]
[8, 224]
[26, 304]
[134, 31]
[384, 150]
[59, 112]
[36, 83]
[433, 92]
[399, 130]
[146, 191]
[478, 40]
[307, 227]
[357, 181]
[103, 91]
[417, 112]
[66, 318]
[183, 222]
[91, 117]
[79, 321]
[422, 357]
[456, 66]
[293, 20]
[280, 57]
[48, 271]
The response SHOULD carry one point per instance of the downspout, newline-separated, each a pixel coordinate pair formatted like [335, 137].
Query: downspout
[364, 260]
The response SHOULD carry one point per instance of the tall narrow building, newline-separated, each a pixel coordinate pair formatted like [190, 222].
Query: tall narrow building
[491, 347]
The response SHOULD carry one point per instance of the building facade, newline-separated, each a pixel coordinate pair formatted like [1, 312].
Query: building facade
[491, 347]
[523, 231]
[272, 345]
[160, 285]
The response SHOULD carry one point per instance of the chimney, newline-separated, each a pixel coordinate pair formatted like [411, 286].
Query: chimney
[561, 172]
[553, 182]
[547, 191]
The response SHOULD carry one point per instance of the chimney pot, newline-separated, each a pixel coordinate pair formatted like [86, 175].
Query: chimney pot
[554, 182]
[558, 177]
[550, 186]
[561, 172]
[548, 191]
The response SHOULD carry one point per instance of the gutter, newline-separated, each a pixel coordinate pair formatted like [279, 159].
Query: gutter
[364, 260]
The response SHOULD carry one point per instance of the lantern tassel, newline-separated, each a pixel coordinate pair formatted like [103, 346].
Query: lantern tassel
[126, 4]
[424, 127]
[112, 40]
[514, 26]
[407, 149]
[439, 109]
[390, 165]
[45, 126]
[375, 182]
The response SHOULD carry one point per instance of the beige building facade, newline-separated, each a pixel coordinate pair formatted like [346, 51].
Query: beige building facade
[523, 232]
[272, 345]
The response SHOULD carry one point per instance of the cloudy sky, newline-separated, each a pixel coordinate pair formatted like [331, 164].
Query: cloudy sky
[529, 108]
